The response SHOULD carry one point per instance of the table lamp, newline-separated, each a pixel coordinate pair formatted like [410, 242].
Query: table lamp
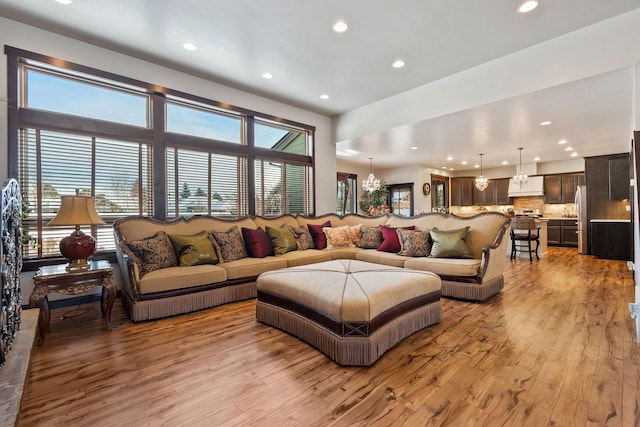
[77, 247]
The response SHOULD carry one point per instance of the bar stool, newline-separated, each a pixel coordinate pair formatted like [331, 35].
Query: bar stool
[523, 232]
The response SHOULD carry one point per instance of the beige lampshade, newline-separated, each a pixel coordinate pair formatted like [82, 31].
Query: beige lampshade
[76, 210]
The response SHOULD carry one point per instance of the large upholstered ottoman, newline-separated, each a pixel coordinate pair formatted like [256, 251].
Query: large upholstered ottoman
[353, 311]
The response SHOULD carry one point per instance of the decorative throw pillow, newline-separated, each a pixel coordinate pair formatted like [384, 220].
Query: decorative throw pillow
[154, 252]
[230, 244]
[303, 238]
[390, 241]
[449, 243]
[355, 233]
[370, 238]
[319, 239]
[194, 250]
[338, 237]
[414, 243]
[258, 242]
[282, 239]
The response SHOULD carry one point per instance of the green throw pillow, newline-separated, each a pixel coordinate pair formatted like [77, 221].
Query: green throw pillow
[283, 239]
[194, 250]
[449, 243]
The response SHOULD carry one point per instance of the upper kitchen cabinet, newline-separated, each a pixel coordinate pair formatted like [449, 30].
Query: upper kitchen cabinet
[561, 188]
[619, 177]
[502, 191]
[485, 197]
[462, 191]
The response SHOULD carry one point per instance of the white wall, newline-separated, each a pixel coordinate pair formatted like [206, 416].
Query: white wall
[22, 36]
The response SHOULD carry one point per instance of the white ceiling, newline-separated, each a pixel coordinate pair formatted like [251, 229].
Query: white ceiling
[239, 40]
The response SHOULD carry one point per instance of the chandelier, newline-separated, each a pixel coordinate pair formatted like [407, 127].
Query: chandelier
[481, 182]
[520, 178]
[371, 184]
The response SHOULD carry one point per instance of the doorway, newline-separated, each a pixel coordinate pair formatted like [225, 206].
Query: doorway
[439, 193]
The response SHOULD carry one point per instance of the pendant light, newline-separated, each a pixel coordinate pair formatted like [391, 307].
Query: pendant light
[371, 184]
[481, 182]
[520, 178]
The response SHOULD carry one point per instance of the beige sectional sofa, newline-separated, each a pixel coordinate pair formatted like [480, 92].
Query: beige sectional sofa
[156, 293]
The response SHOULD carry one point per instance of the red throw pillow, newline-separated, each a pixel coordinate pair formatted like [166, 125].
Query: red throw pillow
[319, 239]
[390, 240]
[257, 242]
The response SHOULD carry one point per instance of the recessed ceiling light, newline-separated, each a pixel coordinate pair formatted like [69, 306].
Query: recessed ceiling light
[545, 123]
[189, 46]
[398, 64]
[450, 158]
[527, 6]
[340, 27]
[451, 169]
[464, 162]
[574, 154]
[568, 149]
[562, 141]
[444, 167]
[324, 96]
[64, 2]
[476, 166]
[414, 148]
[267, 75]
[536, 159]
[504, 162]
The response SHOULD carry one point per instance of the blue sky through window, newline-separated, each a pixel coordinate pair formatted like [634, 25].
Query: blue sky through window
[63, 95]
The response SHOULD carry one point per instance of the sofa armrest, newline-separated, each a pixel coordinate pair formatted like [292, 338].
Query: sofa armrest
[129, 271]
[493, 256]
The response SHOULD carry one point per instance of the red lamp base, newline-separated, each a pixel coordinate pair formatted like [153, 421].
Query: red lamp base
[77, 247]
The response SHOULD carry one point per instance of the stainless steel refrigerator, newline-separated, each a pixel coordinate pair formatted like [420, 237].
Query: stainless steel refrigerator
[583, 223]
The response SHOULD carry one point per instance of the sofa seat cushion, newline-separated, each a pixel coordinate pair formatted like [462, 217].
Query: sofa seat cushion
[173, 278]
[343, 253]
[250, 267]
[310, 256]
[384, 258]
[460, 267]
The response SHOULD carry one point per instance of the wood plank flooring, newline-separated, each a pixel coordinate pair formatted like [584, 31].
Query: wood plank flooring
[555, 348]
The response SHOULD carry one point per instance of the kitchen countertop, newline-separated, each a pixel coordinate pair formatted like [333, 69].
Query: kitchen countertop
[610, 220]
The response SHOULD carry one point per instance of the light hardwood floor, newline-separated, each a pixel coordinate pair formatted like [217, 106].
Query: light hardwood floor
[555, 348]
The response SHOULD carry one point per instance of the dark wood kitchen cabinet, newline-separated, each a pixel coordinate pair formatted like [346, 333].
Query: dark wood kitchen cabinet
[562, 232]
[611, 239]
[462, 191]
[502, 191]
[619, 177]
[561, 188]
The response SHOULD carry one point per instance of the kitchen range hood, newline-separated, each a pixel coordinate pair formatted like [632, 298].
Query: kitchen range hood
[533, 187]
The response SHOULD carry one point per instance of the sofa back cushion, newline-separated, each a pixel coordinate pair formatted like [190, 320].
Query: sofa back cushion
[276, 222]
[136, 228]
[483, 228]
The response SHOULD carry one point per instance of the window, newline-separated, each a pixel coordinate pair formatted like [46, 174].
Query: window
[205, 183]
[141, 149]
[68, 95]
[346, 193]
[203, 123]
[281, 188]
[56, 164]
[401, 199]
[281, 138]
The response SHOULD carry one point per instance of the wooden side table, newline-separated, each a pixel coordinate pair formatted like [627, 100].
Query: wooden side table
[55, 278]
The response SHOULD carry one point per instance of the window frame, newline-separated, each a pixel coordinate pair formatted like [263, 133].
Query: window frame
[155, 134]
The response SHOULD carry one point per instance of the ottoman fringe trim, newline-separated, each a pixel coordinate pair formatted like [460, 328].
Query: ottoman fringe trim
[361, 351]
